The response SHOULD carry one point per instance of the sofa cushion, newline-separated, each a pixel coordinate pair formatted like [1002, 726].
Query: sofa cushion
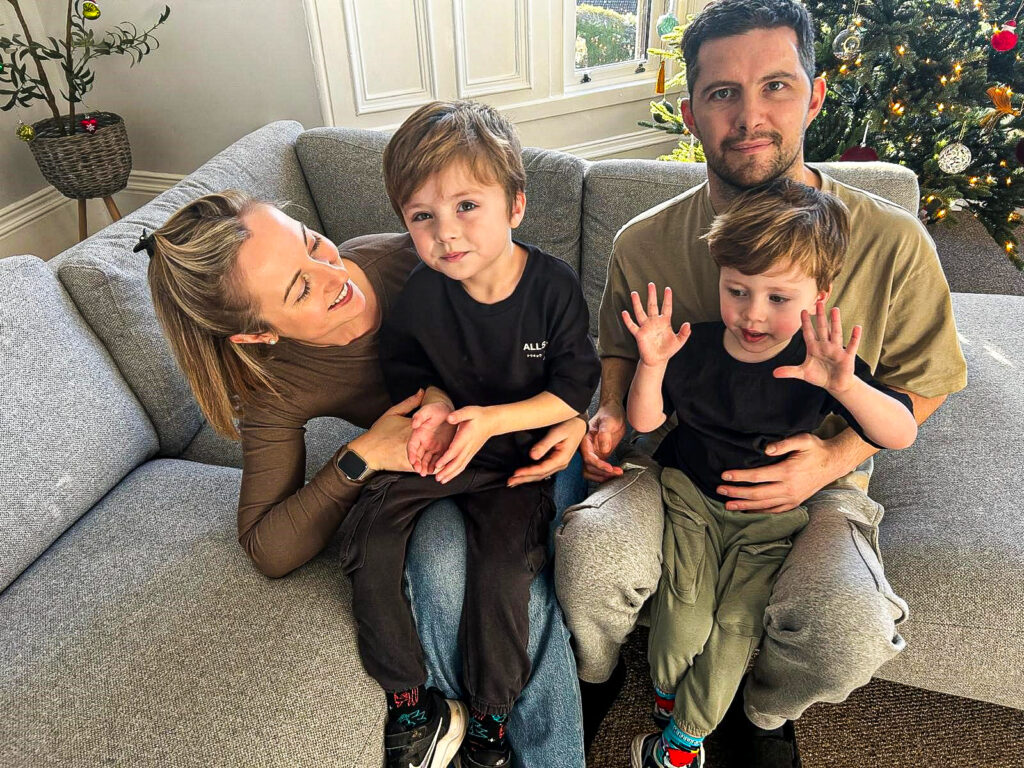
[108, 282]
[145, 637]
[70, 427]
[343, 166]
[615, 191]
[953, 533]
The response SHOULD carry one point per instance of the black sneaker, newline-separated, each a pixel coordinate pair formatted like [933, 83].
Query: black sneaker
[432, 744]
[597, 699]
[643, 753]
[473, 755]
[757, 747]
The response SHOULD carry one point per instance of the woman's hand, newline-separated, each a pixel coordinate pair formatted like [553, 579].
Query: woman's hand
[431, 436]
[655, 339]
[828, 364]
[553, 452]
[384, 445]
[474, 429]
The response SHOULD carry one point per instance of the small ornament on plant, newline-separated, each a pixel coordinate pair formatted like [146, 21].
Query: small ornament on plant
[1006, 38]
[25, 132]
[666, 24]
[1002, 107]
[847, 44]
[861, 153]
[89, 124]
[956, 157]
[91, 11]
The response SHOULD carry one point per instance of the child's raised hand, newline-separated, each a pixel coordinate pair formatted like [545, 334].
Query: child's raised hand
[655, 339]
[431, 436]
[828, 364]
[474, 429]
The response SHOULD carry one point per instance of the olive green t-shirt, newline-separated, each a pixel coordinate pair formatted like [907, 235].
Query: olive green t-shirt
[891, 285]
[282, 521]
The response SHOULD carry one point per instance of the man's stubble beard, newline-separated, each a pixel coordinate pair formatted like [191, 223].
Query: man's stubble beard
[733, 183]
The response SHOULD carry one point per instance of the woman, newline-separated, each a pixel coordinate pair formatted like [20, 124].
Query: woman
[273, 326]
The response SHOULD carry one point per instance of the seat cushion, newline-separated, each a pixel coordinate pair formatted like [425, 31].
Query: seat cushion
[343, 166]
[145, 637]
[108, 282]
[70, 427]
[953, 533]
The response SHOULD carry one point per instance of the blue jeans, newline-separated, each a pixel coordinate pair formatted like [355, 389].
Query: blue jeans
[546, 724]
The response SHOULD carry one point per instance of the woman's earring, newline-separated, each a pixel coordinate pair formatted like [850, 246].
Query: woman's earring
[272, 341]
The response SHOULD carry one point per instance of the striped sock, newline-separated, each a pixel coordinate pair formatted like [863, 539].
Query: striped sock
[678, 749]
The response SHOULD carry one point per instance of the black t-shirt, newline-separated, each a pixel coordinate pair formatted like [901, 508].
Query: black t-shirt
[729, 410]
[534, 341]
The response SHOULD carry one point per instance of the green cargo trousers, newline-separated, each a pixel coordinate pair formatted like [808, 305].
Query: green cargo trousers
[707, 616]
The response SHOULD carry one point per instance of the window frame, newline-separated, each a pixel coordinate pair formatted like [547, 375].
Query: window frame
[621, 73]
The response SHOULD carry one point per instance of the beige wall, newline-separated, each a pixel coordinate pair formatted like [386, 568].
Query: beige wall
[224, 68]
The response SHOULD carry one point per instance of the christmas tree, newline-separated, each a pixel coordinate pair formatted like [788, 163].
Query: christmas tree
[929, 84]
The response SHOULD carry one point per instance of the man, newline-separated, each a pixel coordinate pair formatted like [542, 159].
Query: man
[832, 620]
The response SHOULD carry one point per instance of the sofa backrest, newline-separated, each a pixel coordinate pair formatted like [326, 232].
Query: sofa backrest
[108, 282]
[343, 167]
[70, 427]
[616, 191]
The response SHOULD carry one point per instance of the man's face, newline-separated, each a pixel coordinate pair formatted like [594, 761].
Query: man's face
[750, 106]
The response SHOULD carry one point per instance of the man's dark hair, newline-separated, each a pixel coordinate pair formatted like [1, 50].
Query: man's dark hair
[737, 17]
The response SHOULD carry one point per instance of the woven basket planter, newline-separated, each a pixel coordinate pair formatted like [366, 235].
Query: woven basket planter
[84, 165]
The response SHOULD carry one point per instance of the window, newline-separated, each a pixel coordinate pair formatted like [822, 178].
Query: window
[608, 39]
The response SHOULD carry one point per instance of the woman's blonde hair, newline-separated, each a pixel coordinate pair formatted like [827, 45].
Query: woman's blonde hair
[200, 304]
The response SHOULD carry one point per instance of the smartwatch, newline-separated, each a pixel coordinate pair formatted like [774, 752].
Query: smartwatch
[353, 466]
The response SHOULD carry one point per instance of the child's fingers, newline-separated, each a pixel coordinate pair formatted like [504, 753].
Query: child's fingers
[419, 419]
[652, 300]
[789, 372]
[837, 325]
[684, 332]
[808, 329]
[855, 335]
[666, 304]
[460, 415]
[630, 325]
[638, 310]
[820, 321]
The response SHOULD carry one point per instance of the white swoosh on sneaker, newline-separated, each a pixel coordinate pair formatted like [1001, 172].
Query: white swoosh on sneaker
[430, 752]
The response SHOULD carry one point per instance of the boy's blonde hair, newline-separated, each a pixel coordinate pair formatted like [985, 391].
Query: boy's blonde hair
[783, 222]
[444, 132]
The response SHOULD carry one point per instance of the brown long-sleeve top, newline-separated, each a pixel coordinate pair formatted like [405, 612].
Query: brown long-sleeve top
[283, 523]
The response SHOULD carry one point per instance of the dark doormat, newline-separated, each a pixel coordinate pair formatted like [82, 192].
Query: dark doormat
[883, 725]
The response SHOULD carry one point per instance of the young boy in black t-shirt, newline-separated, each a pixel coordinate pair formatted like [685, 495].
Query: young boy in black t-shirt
[737, 386]
[497, 333]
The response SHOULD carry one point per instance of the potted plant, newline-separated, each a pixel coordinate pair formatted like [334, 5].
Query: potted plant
[82, 155]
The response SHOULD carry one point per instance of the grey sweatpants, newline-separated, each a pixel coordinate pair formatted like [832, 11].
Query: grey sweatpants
[831, 621]
[707, 616]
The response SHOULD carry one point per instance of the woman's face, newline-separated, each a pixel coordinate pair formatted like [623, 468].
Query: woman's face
[299, 283]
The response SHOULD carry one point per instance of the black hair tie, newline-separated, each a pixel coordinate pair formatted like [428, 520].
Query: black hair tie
[146, 243]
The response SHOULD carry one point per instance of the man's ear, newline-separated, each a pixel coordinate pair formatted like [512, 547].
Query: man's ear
[518, 210]
[254, 338]
[686, 112]
[817, 99]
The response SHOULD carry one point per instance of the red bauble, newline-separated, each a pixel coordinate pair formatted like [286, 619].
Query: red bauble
[859, 153]
[1006, 38]
[89, 124]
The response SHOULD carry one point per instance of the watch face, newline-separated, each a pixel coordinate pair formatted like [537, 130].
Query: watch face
[351, 465]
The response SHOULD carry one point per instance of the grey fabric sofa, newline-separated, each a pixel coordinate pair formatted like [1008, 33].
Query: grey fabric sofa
[134, 631]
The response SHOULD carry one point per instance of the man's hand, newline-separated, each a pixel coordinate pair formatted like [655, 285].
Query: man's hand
[474, 429]
[553, 452]
[607, 428]
[810, 466]
[431, 436]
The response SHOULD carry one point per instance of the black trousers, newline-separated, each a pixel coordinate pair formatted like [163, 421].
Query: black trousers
[506, 546]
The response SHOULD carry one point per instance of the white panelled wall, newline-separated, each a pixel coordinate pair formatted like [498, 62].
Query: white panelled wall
[361, 63]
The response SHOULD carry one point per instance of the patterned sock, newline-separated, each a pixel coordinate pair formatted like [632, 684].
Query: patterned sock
[678, 748]
[408, 709]
[664, 703]
[487, 731]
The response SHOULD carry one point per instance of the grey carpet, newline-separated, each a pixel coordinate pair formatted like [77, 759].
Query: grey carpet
[972, 261]
[884, 724]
